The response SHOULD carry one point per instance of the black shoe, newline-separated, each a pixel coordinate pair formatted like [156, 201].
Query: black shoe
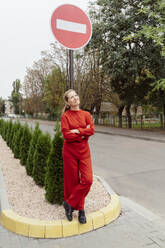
[82, 217]
[68, 211]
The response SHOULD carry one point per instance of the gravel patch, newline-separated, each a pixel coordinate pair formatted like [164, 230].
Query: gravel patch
[28, 199]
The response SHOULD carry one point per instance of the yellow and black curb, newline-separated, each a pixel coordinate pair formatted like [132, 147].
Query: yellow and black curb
[59, 228]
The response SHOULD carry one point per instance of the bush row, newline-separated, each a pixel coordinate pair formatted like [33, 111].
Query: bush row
[41, 156]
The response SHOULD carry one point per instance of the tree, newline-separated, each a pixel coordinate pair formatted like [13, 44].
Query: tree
[10, 141]
[156, 32]
[34, 85]
[58, 57]
[2, 106]
[53, 93]
[8, 131]
[54, 170]
[16, 96]
[86, 77]
[33, 88]
[124, 59]
[156, 9]
[92, 80]
[17, 144]
[40, 158]
[4, 132]
[33, 143]
[16, 129]
[25, 144]
[1, 126]
[157, 96]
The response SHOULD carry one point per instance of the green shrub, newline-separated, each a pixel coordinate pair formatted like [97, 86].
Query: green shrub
[33, 143]
[40, 158]
[11, 135]
[1, 126]
[25, 144]
[16, 129]
[8, 131]
[4, 127]
[17, 143]
[54, 170]
[5, 130]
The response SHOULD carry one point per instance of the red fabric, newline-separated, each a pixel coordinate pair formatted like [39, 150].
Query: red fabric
[78, 175]
[78, 179]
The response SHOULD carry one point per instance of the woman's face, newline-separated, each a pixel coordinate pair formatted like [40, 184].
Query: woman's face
[73, 99]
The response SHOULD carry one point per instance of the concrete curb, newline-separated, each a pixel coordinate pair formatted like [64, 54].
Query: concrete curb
[59, 228]
[132, 136]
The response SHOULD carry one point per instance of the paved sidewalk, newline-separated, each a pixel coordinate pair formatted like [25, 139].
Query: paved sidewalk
[155, 135]
[135, 228]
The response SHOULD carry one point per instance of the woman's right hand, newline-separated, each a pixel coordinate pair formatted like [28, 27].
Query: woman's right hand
[75, 131]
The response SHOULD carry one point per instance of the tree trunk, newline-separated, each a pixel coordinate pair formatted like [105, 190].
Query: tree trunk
[129, 116]
[120, 110]
[92, 108]
[98, 106]
[164, 114]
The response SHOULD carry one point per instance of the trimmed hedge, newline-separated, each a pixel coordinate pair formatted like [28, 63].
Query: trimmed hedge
[16, 149]
[25, 144]
[40, 158]
[8, 132]
[17, 127]
[54, 170]
[33, 144]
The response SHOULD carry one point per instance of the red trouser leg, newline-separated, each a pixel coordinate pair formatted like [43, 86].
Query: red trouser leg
[71, 175]
[78, 179]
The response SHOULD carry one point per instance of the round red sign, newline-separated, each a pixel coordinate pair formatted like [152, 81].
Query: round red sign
[71, 26]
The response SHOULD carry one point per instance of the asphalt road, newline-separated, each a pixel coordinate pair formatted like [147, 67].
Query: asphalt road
[134, 168]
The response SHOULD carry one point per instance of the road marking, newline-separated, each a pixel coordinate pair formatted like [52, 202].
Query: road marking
[71, 26]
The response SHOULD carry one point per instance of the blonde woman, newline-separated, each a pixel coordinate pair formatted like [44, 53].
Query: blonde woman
[77, 126]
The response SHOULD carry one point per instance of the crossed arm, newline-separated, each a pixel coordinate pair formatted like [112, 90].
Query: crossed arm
[77, 130]
[79, 133]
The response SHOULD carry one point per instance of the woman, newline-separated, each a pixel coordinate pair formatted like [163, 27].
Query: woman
[76, 125]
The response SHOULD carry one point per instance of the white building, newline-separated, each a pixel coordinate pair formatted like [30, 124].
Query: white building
[9, 109]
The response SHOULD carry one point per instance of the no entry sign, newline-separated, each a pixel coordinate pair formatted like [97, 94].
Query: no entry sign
[71, 26]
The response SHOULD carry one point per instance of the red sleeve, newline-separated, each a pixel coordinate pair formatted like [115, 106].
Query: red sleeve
[88, 131]
[68, 135]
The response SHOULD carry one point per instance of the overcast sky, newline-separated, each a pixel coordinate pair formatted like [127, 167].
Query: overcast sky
[24, 32]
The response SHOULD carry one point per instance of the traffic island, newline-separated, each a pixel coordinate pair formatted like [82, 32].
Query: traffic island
[59, 228]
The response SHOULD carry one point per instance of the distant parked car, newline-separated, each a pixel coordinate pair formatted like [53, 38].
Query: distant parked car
[11, 115]
[14, 116]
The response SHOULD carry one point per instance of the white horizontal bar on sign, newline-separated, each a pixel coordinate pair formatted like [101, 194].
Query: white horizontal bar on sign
[71, 26]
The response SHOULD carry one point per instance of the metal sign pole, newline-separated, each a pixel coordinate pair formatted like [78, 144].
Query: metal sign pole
[71, 70]
[72, 29]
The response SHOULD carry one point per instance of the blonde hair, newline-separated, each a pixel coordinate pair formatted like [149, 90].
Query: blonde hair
[66, 107]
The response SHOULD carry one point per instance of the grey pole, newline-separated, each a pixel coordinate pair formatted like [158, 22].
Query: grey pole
[71, 71]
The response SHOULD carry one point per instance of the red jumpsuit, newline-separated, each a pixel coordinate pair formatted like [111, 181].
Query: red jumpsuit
[78, 176]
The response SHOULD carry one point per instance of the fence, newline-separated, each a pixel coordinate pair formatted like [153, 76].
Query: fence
[139, 121]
